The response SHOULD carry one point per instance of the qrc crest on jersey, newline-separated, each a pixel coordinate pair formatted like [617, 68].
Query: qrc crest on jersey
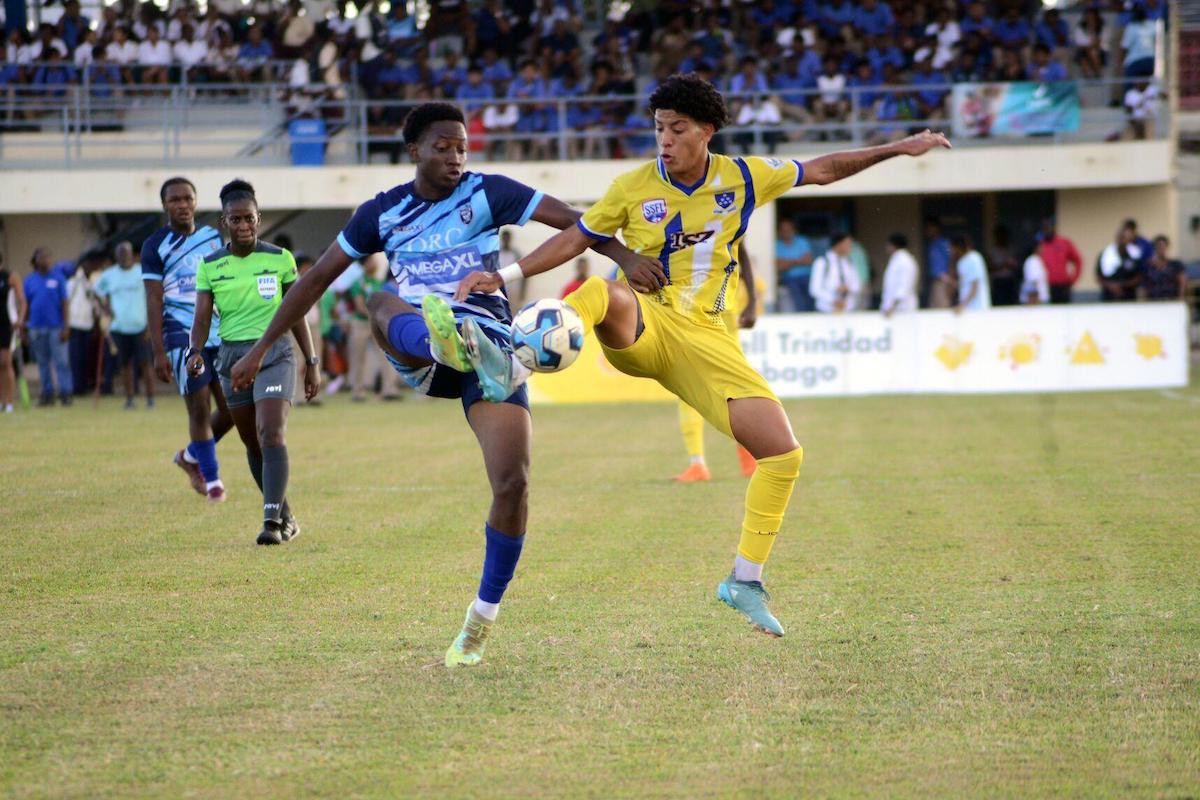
[466, 214]
[724, 201]
[655, 211]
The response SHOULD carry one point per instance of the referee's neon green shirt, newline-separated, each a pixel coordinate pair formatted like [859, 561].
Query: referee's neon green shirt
[246, 291]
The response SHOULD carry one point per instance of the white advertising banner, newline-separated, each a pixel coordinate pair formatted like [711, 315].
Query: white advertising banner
[1017, 349]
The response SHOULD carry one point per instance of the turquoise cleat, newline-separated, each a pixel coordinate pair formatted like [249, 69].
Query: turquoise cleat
[750, 598]
[491, 363]
[467, 650]
[444, 340]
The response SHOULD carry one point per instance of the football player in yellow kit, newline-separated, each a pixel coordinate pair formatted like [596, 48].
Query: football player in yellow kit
[690, 208]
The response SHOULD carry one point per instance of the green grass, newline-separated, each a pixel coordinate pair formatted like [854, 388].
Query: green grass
[984, 596]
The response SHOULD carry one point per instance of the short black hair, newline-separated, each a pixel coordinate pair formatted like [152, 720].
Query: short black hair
[237, 189]
[899, 241]
[424, 115]
[692, 96]
[1130, 224]
[838, 238]
[961, 240]
[178, 180]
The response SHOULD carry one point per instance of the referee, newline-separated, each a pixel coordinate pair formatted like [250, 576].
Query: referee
[245, 281]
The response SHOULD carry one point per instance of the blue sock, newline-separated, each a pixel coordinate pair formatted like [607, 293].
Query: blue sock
[205, 454]
[499, 562]
[408, 334]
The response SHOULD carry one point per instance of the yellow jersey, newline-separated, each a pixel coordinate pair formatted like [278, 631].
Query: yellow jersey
[693, 230]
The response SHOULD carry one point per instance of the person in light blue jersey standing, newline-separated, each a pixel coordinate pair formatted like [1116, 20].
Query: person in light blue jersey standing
[435, 230]
[170, 258]
[122, 293]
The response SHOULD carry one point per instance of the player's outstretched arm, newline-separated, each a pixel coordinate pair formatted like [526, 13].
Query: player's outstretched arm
[835, 166]
[558, 249]
[296, 302]
[645, 273]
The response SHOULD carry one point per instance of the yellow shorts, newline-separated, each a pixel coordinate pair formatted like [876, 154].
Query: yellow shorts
[704, 367]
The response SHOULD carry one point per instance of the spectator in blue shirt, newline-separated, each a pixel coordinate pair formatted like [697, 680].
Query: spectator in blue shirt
[451, 75]
[835, 17]
[1012, 31]
[103, 75]
[1052, 31]
[748, 78]
[931, 102]
[937, 264]
[793, 263]
[475, 89]
[561, 43]
[1045, 69]
[49, 332]
[490, 28]
[53, 75]
[694, 58]
[1144, 247]
[72, 25]
[253, 55]
[768, 13]
[864, 78]
[873, 18]
[528, 85]
[883, 51]
[977, 21]
[495, 71]
[714, 40]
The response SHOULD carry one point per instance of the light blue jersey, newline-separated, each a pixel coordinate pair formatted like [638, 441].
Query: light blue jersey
[173, 259]
[432, 244]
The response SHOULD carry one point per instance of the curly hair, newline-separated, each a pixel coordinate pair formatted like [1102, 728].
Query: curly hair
[691, 96]
[424, 115]
[237, 189]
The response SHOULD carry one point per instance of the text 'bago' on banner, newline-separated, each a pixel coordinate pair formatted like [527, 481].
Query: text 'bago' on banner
[1020, 349]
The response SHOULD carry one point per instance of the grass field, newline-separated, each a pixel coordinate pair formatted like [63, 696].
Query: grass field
[984, 596]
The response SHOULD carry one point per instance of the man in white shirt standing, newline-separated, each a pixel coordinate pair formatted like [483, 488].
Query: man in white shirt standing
[154, 55]
[974, 293]
[899, 278]
[1035, 286]
[834, 284]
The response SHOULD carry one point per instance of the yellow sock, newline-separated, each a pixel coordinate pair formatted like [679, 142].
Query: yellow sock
[590, 301]
[691, 425]
[766, 499]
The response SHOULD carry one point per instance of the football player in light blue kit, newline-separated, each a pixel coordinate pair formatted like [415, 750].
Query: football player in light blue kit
[170, 258]
[436, 230]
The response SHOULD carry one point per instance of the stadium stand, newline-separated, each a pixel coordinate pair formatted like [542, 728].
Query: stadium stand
[548, 79]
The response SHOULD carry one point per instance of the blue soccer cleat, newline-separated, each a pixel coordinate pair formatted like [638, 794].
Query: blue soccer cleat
[492, 363]
[750, 598]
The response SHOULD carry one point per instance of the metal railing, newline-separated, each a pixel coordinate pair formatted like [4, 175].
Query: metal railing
[248, 122]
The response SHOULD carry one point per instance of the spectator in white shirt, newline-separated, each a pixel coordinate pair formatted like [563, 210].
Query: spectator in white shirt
[974, 293]
[154, 55]
[47, 40]
[83, 53]
[183, 18]
[190, 52]
[834, 284]
[899, 278]
[1035, 287]
[832, 103]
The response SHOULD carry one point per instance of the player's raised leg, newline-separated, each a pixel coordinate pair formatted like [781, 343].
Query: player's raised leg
[417, 338]
[761, 426]
[505, 433]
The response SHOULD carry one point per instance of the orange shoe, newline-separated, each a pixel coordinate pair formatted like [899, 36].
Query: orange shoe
[694, 473]
[747, 461]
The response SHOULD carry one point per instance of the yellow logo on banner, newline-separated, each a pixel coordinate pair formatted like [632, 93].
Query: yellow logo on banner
[1021, 349]
[1086, 351]
[953, 352]
[1149, 346]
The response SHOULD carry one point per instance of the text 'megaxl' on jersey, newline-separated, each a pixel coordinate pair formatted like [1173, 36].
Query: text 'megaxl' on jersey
[173, 259]
[693, 230]
[432, 244]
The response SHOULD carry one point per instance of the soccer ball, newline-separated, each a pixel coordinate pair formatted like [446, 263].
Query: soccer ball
[547, 335]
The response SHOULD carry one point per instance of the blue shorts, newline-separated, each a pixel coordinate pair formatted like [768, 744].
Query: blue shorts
[186, 383]
[438, 380]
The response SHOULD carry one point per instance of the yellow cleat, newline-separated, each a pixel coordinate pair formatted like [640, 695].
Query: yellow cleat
[467, 650]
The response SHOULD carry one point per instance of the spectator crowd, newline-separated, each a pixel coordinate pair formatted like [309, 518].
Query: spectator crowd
[835, 275]
[799, 61]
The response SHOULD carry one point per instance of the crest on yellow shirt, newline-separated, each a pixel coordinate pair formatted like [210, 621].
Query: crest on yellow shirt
[655, 211]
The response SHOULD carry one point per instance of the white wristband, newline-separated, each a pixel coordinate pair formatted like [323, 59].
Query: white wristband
[507, 274]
